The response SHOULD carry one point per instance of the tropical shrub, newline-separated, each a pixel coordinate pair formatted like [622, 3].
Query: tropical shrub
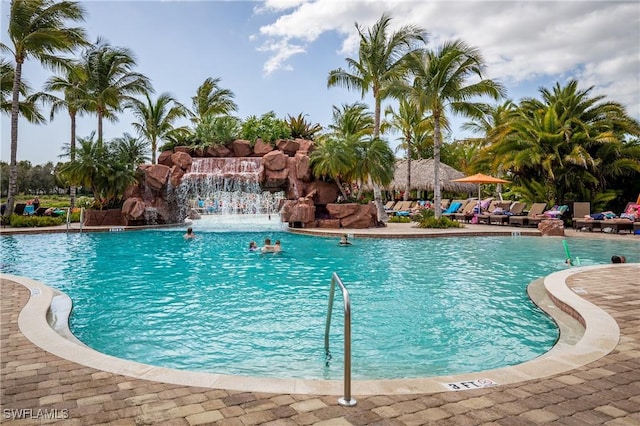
[268, 127]
[440, 223]
[399, 219]
[217, 130]
[301, 128]
[100, 167]
[20, 221]
[423, 214]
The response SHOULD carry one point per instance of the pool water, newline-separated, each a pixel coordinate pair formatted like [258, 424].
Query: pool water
[420, 307]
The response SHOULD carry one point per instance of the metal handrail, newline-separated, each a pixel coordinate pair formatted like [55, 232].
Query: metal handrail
[346, 401]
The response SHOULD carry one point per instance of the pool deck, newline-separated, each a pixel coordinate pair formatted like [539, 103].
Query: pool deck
[593, 379]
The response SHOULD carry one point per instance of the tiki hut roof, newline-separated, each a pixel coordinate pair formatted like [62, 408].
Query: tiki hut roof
[422, 177]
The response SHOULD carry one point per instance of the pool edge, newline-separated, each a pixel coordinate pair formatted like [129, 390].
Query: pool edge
[600, 336]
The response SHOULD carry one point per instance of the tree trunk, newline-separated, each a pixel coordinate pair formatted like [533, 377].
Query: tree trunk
[377, 194]
[13, 164]
[154, 148]
[407, 190]
[72, 157]
[99, 127]
[437, 199]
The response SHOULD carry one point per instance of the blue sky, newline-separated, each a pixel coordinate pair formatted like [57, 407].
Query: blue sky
[276, 55]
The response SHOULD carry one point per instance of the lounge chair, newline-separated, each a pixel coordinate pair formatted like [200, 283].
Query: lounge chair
[467, 212]
[580, 211]
[535, 211]
[514, 209]
[455, 207]
[389, 205]
[19, 208]
[484, 217]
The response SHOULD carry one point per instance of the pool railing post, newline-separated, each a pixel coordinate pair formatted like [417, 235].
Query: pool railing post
[346, 401]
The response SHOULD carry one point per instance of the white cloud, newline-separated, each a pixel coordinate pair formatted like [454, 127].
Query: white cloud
[596, 42]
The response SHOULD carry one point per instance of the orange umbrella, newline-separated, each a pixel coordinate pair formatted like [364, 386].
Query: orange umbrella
[480, 178]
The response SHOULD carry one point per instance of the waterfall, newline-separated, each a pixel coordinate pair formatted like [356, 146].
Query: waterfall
[227, 187]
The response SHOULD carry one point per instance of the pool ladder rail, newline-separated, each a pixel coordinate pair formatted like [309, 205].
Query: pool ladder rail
[346, 400]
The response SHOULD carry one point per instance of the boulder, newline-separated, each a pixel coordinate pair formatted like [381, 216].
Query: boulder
[156, 176]
[175, 176]
[362, 218]
[306, 146]
[303, 168]
[551, 228]
[324, 192]
[185, 149]
[261, 148]
[275, 179]
[340, 211]
[165, 158]
[288, 146]
[218, 151]
[274, 161]
[133, 191]
[304, 213]
[133, 208]
[241, 148]
[182, 160]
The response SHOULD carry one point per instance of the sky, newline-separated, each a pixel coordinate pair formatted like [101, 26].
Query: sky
[275, 55]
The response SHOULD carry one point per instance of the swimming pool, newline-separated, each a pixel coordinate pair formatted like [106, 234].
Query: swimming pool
[420, 307]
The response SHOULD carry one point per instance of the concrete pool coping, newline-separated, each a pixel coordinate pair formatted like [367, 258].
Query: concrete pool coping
[576, 346]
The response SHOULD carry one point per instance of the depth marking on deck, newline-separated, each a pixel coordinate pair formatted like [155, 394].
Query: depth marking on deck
[470, 384]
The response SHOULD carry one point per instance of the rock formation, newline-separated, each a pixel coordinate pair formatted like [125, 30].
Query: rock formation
[310, 202]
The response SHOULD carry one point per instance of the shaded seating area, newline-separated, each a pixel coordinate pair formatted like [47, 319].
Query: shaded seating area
[532, 218]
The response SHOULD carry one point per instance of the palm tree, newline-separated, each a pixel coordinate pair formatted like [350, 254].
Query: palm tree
[37, 29]
[131, 151]
[337, 153]
[156, 119]
[379, 63]
[445, 80]
[72, 84]
[210, 99]
[27, 108]
[99, 167]
[570, 143]
[111, 81]
[332, 157]
[411, 125]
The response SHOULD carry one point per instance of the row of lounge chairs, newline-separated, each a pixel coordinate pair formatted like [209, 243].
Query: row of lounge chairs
[495, 212]
[628, 221]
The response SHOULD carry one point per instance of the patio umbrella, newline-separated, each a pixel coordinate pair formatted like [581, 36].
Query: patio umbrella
[480, 178]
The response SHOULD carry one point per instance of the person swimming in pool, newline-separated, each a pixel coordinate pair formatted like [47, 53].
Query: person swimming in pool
[189, 233]
[344, 241]
[253, 246]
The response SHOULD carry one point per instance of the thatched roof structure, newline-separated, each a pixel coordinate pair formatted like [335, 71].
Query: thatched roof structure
[422, 177]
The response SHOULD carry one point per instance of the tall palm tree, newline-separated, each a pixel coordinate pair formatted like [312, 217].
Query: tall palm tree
[380, 60]
[73, 85]
[211, 99]
[445, 80]
[37, 29]
[156, 118]
[111, 80]
[27, 108]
